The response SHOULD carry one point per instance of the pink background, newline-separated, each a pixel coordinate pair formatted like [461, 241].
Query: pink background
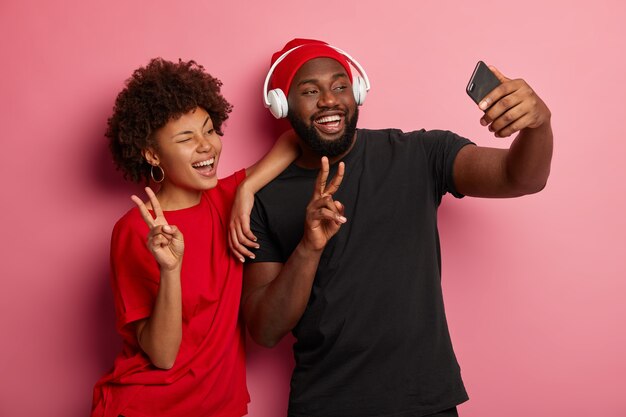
[533, 286]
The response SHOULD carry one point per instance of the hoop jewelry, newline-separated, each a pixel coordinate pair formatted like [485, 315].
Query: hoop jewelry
[162, 176]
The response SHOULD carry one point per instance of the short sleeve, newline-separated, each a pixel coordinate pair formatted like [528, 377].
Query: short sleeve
[269, 251]
[134, 271]
[441, 148]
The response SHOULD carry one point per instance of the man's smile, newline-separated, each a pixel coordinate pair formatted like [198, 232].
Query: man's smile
[330, 124]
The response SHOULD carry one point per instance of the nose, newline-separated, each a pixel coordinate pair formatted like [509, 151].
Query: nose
[204, 144]
[327, 98]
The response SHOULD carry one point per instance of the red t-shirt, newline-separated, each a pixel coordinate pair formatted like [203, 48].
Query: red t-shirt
[208, 378]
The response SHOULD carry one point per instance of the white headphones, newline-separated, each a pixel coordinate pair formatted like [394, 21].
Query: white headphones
[276, 100]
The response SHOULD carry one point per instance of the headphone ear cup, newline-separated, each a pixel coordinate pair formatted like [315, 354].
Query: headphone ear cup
[359, 89]
[278, 103]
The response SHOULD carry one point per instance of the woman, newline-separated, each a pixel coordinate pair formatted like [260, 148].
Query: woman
[177, 297]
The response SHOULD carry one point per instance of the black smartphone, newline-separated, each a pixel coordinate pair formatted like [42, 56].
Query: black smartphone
[482, 82]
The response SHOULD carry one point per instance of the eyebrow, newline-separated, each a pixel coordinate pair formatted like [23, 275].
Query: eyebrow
[315, 80]
[187, 132]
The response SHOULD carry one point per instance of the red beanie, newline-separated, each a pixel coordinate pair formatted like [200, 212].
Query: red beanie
[285, 70]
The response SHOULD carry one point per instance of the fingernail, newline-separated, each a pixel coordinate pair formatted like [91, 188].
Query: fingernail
[166, 228]
[483, 122]
[342, 219]
[242, 260]
[252, 257]
[257, 246]
[484, 104]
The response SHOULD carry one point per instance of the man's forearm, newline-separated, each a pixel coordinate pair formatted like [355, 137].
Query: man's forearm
[271, 311]
[529, 159]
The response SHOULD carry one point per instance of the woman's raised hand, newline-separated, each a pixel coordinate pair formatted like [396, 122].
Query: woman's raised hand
[165, 241]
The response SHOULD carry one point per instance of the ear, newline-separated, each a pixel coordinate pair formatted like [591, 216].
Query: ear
[151, 156]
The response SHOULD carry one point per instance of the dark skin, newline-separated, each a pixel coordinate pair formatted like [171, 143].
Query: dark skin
[275, 295]
[513, 107]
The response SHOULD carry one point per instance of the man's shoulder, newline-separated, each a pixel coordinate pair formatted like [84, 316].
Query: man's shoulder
[287, 183]
[395, 133]
[421, 138]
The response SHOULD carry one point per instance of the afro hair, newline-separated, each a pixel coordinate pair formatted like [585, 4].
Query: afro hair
[154, 95]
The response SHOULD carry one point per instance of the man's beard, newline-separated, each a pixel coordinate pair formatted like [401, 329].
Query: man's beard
[324, 147]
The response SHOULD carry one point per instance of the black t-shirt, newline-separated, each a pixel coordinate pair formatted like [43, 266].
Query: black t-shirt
[373, 340]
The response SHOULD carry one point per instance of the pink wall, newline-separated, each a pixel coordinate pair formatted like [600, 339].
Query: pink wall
[533, 286]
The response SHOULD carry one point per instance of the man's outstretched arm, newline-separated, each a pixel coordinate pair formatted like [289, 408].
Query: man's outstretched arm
[513, 107]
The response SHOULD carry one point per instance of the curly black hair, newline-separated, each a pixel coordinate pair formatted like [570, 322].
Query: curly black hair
[153, 95]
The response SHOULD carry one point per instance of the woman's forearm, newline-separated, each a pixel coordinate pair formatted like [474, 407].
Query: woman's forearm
[160, 335]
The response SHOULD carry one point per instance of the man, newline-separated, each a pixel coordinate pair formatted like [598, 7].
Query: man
[354, 270]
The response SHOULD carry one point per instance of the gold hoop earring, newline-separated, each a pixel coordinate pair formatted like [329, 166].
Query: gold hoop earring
[162, 176]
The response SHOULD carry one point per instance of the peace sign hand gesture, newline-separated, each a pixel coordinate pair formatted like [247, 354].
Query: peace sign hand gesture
[165, 241]
[324, 216]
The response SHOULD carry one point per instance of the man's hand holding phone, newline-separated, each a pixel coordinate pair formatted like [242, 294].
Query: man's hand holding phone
[510, 106]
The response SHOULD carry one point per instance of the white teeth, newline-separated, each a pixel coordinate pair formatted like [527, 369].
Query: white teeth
[327, 119]
[204, 163]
